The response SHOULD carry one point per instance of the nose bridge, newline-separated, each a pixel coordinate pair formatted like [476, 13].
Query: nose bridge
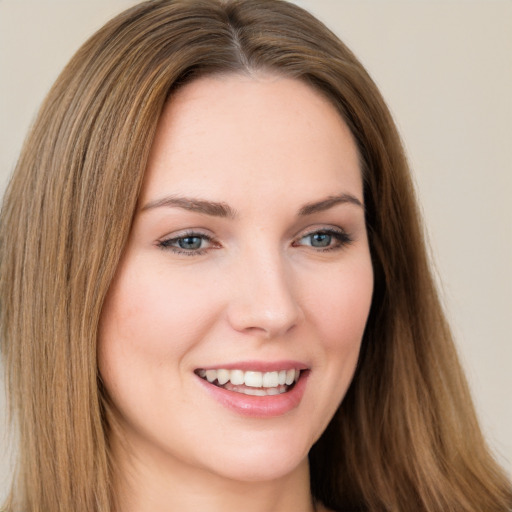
[264, 301]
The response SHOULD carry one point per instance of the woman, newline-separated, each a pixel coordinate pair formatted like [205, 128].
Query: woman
[214, 288]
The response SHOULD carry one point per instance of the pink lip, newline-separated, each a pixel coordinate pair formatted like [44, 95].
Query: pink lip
[258, 406]
[260, 366]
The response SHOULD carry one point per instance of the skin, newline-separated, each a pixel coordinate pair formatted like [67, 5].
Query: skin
[261, 289]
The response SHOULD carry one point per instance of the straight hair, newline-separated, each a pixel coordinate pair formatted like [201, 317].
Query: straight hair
[405, 436]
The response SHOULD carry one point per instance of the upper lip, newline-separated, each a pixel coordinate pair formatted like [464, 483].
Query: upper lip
[258, 366]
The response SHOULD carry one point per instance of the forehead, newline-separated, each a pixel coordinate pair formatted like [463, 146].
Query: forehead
[221, 132]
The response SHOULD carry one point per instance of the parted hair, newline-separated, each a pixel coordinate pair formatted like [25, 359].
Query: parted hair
[405, 436]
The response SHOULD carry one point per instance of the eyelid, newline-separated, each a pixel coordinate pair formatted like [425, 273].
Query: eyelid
[165, 243]
[183, 233]
[342, 237]
[320, 229]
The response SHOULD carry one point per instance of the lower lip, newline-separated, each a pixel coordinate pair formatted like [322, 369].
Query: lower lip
[259, 406]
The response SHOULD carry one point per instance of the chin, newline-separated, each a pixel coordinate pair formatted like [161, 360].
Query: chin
[261, 460]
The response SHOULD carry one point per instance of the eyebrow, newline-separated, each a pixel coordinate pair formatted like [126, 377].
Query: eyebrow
[219, 209]
[212, 208]
[329, 202]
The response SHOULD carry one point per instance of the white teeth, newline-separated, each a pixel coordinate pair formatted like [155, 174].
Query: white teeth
[236, 377]
[222, 376]
[211, 375]
[252, 379]
[270, 379]
[255, 392]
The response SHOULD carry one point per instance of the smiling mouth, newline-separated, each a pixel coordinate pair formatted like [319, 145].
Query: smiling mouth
[251, 382]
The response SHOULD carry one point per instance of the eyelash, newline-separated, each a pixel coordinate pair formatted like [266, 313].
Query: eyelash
[168, 243]
[341, 238]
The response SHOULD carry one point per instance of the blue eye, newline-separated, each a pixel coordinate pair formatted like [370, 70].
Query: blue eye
[320, 239]
[325, 239]
[190, 244]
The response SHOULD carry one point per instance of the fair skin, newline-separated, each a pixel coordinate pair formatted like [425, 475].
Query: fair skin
[248, 253]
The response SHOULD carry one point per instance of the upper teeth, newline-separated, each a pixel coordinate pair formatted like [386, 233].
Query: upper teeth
[250, 378]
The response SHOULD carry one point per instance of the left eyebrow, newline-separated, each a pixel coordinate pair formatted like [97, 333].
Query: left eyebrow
[329, 202]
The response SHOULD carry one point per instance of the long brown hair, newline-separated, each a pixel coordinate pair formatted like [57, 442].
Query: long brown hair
[404, 438]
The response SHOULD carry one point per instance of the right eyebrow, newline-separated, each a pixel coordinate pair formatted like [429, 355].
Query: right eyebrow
[203, 206]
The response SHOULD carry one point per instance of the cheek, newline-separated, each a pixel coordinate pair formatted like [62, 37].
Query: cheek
[149, 327]
[338, 311]
[340, 308]
[148, 312]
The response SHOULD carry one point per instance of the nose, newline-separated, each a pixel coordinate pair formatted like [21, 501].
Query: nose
[264, 298]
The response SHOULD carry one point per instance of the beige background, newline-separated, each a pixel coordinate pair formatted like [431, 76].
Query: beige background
[445, 68]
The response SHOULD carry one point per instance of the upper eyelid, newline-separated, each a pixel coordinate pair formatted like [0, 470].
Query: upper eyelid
[318, 229]
[166, 241]
[186, 233]
[341, 236]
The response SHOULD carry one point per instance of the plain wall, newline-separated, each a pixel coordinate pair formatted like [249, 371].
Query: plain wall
[445, 68]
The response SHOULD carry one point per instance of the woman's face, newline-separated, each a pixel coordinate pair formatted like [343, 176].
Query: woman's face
[247, 266]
